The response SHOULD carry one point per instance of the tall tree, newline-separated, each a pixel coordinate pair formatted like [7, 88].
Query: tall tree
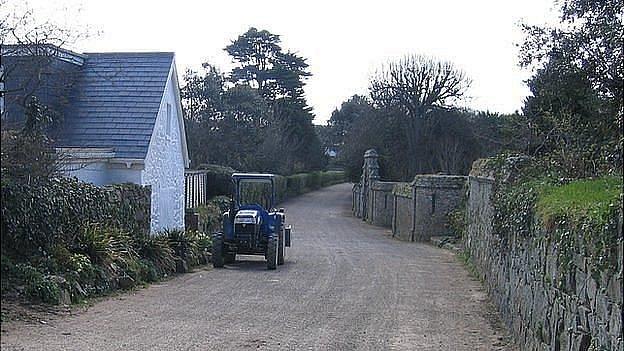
[262, 64]
[341, 120]
[417, 86]
[280, 77]
[225, 125]
[30, 46]
[576, 108]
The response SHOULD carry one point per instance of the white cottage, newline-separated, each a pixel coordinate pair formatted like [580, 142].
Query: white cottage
[124, 123]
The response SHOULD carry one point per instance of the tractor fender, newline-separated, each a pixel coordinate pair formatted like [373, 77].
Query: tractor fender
[287, 234]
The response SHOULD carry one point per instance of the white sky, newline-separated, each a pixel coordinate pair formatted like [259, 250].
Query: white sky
[344, 41]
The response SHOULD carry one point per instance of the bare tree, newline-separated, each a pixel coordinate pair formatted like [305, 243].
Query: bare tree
[418, 85]
[30, 47]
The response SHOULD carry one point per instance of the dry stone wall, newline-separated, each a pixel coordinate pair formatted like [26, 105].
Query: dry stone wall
[582, 311]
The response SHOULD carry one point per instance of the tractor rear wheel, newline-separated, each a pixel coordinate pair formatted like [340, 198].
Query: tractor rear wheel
[271, 254]
[217, 250]
[280, 248]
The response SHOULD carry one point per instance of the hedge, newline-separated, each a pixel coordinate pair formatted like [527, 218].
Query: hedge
[219, 179]
[35, 217]
[63, 240]
[219, 182]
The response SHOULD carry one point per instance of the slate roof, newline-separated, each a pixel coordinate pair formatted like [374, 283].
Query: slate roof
[115, 101]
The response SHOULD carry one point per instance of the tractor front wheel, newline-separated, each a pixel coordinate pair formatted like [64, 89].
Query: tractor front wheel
[217, 250]
[271, 254]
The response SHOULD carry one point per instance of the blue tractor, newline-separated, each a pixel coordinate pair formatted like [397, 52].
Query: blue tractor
[252, 226]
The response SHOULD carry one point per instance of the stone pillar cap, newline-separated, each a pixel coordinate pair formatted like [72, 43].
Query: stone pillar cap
[370, 153]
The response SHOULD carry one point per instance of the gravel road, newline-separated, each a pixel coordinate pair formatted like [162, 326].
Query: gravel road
[346, 285]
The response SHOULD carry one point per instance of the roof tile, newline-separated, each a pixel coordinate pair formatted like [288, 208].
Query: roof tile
[115, 102]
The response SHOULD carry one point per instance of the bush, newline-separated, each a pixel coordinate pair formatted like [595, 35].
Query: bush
[107, 247]
[210, 214]
[156, 250]
[36, 217]
[37, 286]
[184, 245]
[85, 279]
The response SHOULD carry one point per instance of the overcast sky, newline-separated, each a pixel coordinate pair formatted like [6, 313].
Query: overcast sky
[344, 41]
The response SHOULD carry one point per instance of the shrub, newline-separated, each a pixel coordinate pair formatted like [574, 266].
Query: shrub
[313, 180]
[204, 246]
[37, 286]
[36, 217]
[107, 247]
[210, 214]
[184, 244]
[295, 184]
[7, 268]
[157, 250]
[85, 279]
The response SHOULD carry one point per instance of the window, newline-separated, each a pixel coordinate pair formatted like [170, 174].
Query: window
[168, 119]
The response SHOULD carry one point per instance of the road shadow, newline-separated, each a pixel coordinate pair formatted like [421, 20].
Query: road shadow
[252, 263]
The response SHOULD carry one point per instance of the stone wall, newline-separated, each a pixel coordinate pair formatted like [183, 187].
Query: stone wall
[381, 204]
[415, 211]
[356, 201]
[403, 217]
[523, 276]
[435, 196]
[549, 300]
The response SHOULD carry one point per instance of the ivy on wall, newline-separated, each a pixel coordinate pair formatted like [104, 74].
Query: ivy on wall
[577, 215]
[36, 217]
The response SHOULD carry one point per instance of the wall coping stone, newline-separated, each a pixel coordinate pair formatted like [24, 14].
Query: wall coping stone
[480, 178]
[383, 186]
[439, 181]
[403, 190]
[371, 153]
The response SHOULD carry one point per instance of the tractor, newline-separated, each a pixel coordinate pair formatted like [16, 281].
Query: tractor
[252, 226]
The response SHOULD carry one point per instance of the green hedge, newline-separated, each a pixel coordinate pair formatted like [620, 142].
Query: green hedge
[293, 185]
[219, 182]
[35, 217]
[219, 179]
[63, 240]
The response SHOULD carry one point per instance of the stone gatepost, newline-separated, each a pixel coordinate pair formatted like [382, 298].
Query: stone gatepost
[370, 174]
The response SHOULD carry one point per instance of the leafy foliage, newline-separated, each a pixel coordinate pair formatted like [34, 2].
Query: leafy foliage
[450, 142]
[578, 216]
[107, 247]
[263, 65]
[156, 249]
[579, 199]
[35, 217]
[257, 119]
[575, 111]
[27, 155]
[184, 244]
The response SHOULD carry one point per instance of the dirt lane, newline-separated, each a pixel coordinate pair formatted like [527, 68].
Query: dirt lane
[346, 285]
